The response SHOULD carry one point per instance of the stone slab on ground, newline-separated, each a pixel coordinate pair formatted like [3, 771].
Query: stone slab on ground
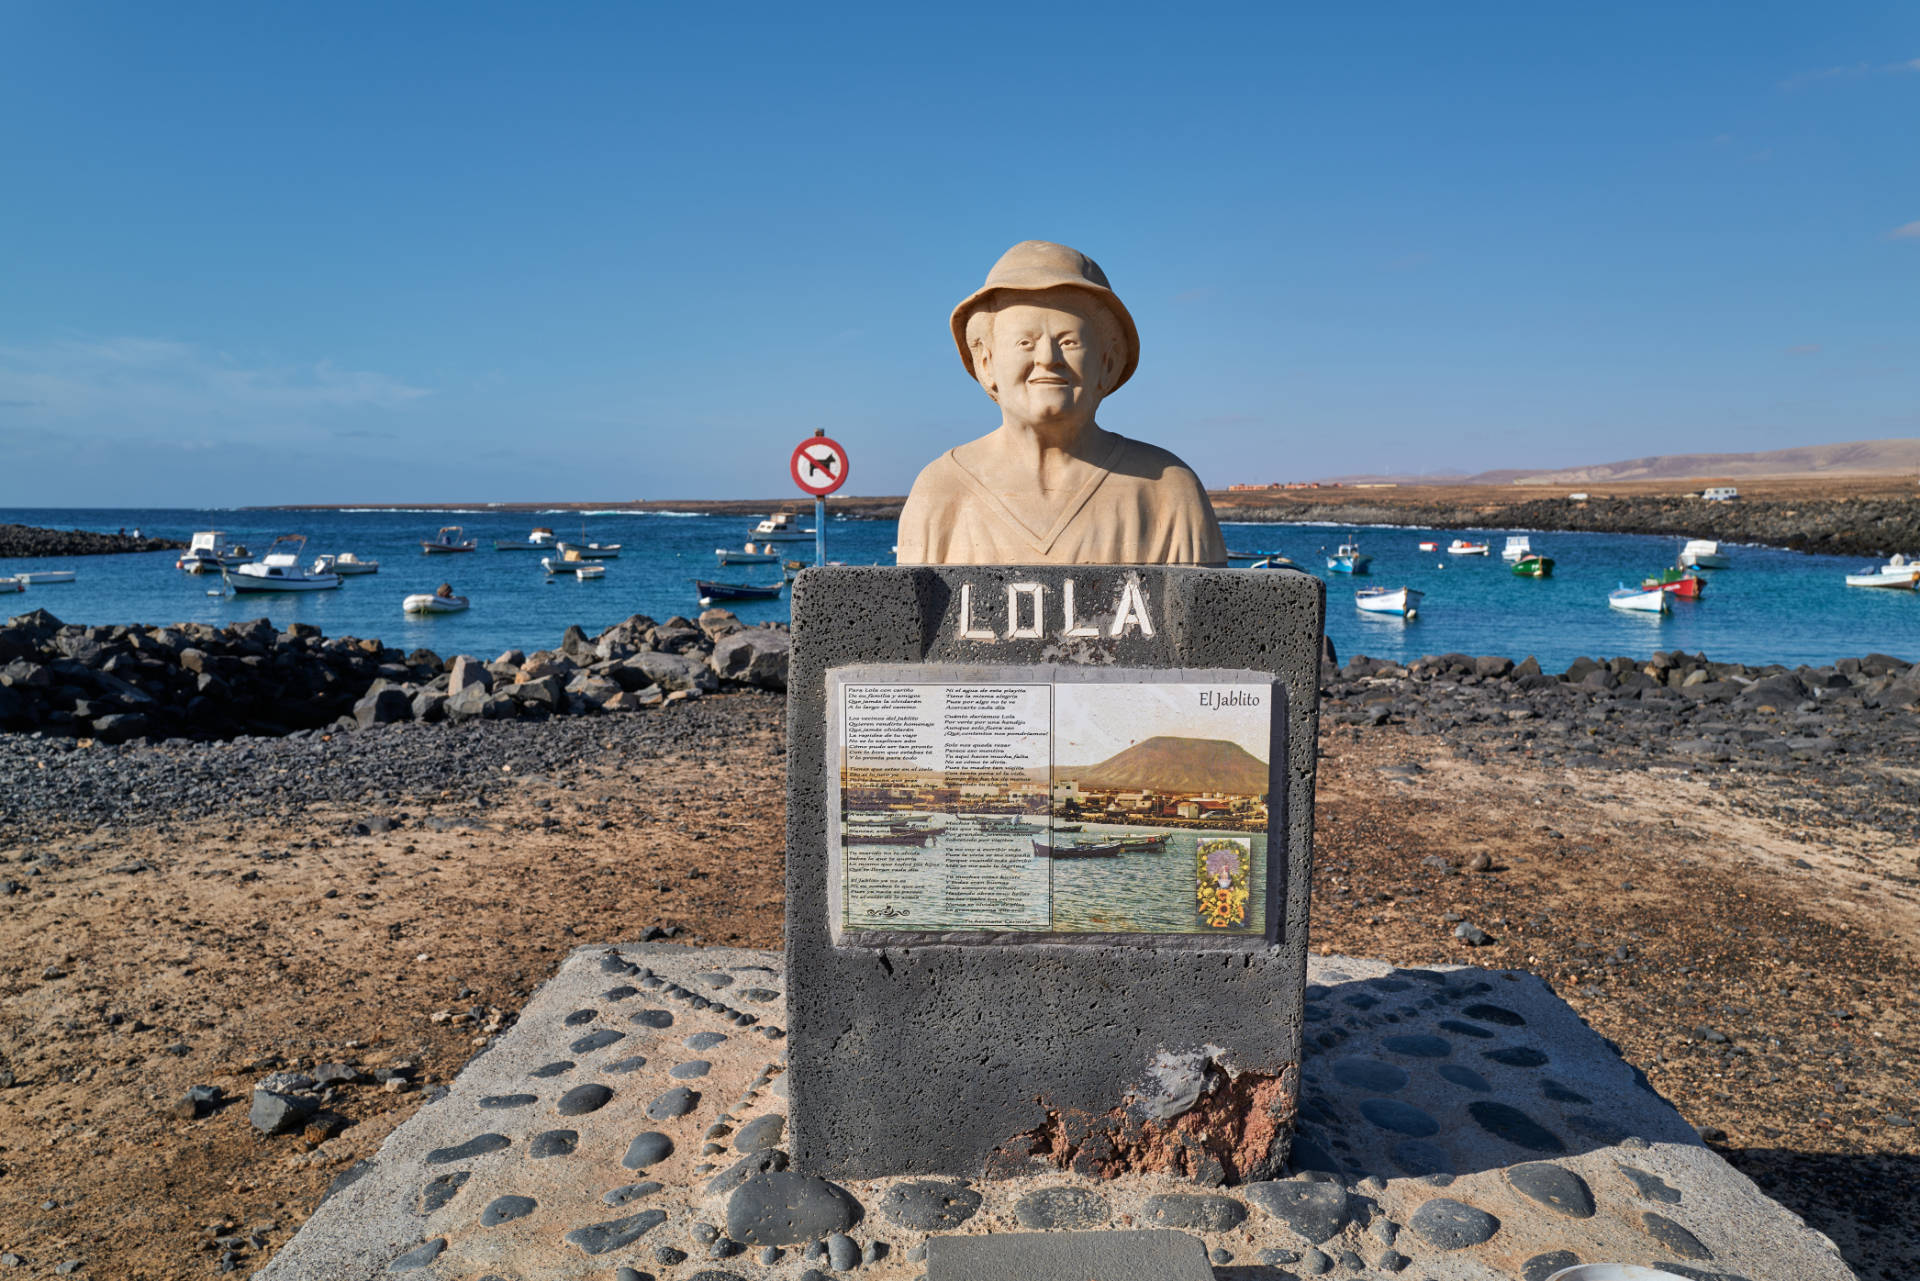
[1457, 1124]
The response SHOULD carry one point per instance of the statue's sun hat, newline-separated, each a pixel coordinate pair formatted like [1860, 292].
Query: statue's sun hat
[1035, 265]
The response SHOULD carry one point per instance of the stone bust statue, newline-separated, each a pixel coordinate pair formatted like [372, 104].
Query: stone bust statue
[1048, 340]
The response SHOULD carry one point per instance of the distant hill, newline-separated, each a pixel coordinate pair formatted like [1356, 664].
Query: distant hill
[1166, 763]
[1852, 458]
[1849, 458]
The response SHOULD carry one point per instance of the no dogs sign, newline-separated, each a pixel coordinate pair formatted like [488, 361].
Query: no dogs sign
[819, 465]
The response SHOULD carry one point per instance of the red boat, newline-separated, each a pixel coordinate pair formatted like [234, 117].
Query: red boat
[1676, 582]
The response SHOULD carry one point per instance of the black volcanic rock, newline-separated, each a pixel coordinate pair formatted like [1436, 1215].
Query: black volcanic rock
[30, 540]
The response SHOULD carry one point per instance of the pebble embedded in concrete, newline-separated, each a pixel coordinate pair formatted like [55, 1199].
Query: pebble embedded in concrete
[1447, 1224]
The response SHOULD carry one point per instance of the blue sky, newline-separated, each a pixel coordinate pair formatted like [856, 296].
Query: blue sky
[343, 252]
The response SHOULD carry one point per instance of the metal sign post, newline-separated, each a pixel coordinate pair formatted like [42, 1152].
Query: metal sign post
[819, 466]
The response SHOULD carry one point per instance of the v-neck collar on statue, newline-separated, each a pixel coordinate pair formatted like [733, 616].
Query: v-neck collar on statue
[1043, 543]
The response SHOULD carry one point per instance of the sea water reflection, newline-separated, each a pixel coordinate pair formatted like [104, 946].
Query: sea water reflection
[1135, 891]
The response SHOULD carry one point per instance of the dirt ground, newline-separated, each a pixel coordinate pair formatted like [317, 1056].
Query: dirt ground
[1757, 963]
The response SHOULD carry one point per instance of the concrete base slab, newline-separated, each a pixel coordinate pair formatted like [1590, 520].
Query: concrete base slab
[1456, 1125]
[1069, 1256]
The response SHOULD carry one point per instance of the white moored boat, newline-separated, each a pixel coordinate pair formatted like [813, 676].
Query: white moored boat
[428, 603]
[1639, 599]
[1898, 573]
[41, 577]
[1403, 601]
[1462, 547]
[346, 564]
[779, 528]
[209, 552]
[11, 585]
[1518, 547]
[279, 570]
[1703, 553]
[591, 551]
[537, 541]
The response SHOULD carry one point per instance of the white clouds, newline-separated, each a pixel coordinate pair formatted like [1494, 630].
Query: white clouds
[152, 381]
[1909, 231]
[1852, 71]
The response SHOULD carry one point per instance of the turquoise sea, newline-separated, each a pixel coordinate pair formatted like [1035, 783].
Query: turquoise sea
[1771, 607]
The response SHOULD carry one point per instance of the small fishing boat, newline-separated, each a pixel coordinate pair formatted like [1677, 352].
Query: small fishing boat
[790, 570]
[711, 592]
[1046, 847]
[1273, 562]
[1639, 600]
[41, 577]
[1898, 577]
[451, 538]
[537, 541]
[1233, 556]
[208, 552]
[11, 585]
[589, 571]
[570, 562]
[1518, 547]
[779, 528]
[1069, 827]
[1403, 601]
[1532, 566]
[428, 603]
[346, 564]
[1429, 546]
[1140, 844]
[766, 556]
[1703, 553]
[592, 551]
[1676, 582]
[279, 570]
[1465, 547]
[1347, 558]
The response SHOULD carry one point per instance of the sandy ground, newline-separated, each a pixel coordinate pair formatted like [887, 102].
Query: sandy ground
[1670, 910]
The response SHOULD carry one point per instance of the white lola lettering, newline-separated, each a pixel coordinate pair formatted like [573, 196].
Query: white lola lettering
[1026, 614]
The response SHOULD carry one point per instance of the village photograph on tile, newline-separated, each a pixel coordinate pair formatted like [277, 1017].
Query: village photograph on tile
[1160, 807]
[1065, 806]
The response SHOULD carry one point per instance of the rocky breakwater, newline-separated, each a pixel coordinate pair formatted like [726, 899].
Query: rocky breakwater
[1674, 708]
[1840, 527]
[192, 680]
[31, 540]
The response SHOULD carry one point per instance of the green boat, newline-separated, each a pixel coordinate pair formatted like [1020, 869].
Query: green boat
[1534, 567]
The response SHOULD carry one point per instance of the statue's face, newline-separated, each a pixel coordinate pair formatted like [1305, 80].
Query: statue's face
[1046, 360]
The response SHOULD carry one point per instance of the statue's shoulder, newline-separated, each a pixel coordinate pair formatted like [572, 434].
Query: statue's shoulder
[1152, 465]
[939, 483]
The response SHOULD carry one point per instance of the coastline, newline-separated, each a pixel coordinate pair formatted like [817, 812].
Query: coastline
[1849, 515]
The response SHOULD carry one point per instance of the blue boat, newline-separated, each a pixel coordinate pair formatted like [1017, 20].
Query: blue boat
[1348, 558]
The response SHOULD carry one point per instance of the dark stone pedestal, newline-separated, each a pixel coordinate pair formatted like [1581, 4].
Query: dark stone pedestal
[1000, 1057]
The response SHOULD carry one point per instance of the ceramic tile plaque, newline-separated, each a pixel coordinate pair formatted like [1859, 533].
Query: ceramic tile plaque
[1049, 801]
